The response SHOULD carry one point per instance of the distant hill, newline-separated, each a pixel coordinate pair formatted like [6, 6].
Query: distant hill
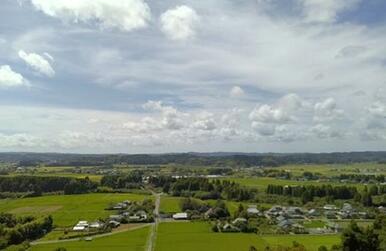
[192, 158]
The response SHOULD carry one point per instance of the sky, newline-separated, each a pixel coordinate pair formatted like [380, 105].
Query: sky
[148, 76]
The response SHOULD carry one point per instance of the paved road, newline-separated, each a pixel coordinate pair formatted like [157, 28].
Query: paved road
[153, 231]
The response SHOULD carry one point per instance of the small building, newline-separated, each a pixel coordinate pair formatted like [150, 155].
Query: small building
[120, 206]
[114, 223]
[330, 207]
[230, 228]
[285, 224]
[347, 208]
[313, 213]
[116, 217]
[382, 209]
[275, 211]
[330, 215]
[239, 220]
[96, 225]
[252, 210]
[335, 227]
[81, 226]
[180, 216]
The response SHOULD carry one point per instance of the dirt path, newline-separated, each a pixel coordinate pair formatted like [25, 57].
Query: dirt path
[153, 232]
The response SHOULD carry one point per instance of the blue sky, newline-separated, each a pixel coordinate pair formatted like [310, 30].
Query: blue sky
[137, 76]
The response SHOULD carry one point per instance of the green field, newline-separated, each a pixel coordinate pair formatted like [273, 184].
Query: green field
[127, 241]
[173, 204]
[170, 204]
[66, 209]
[330, 170]
[261, 183]
[198, 236]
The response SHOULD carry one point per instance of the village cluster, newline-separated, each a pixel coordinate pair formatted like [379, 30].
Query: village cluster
[293, 219]
[126, 212]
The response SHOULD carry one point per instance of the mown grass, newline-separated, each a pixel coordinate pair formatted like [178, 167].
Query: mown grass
[66, 210]
[198, 236]
[126, 241]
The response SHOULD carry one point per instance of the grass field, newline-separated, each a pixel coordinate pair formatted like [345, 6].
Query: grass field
[198, 236]
[173, 204]
[92, 177]
[127, 241]
[66, 209]
[170, 204]
[335, 169]
[261, 183]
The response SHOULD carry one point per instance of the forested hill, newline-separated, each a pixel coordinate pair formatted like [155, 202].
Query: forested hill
[213, 159]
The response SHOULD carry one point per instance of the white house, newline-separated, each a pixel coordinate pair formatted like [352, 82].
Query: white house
[180, 216]
[81, 226]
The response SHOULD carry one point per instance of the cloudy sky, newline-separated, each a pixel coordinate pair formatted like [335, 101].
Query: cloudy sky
[136, 76]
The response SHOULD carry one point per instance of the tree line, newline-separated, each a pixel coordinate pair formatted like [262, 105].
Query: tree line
[39, 184]
[307, 193]
[204, 188]
[14, 230]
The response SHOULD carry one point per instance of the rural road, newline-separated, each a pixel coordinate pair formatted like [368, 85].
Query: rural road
[153, 231]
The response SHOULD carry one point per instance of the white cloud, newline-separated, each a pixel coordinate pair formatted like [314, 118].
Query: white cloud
[378, 109]
[179, 23]
[268, 114]
[49, 56]
[236, 92]
[264, 129]
[21, 140]
[170, 117]
[10, 78]
[291, 102]
[327, 110]
[324, 132]
[125, 15]
[38, 63]
[325, 10]
[205, 121]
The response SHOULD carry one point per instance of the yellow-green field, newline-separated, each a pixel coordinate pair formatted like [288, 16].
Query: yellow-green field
[67, 209]
[126, 241]
[198, 236]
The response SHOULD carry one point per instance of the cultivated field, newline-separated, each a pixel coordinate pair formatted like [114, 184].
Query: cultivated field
[66, 210]
[198, 236]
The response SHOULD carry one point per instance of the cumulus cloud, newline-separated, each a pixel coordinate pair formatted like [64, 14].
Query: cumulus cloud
[38, 63]
[205, 121]
[10, 78]
[125, 15]
[170, 117]
[236, 92]
[264, 129]
[325, 10]
[268, 114]
[179, 23]
[324, 132]
[327, 110]
[272, 120]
